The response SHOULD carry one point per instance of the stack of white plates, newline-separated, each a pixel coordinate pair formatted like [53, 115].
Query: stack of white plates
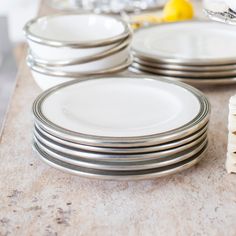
[66, 47]
[193, 52]
[125, 128]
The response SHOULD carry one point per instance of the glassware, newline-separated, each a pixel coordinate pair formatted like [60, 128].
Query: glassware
[107, 6]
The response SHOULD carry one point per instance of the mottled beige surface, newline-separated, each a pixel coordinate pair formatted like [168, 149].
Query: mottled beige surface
[36, 199]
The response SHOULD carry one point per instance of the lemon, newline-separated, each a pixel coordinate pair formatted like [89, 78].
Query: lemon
[177, 10]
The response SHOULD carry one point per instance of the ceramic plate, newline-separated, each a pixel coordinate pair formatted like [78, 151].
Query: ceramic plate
[190, 43]
[111, 164]
[188, 80]
[123, 109]
[177, 67]
[120, 175]
[188, 74]
[111, 157]
[170, 145]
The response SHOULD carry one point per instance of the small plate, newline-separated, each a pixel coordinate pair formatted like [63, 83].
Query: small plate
[191, 81]
[188, 74]
[161, 147]
[120, 175]
[169, 66]
[111, 157]
[124, 165]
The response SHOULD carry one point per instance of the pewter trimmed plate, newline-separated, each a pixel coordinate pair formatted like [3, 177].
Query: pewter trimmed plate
[147, 140]
[120, 175]
[186, 43]
[162, 147]
[168, 66]
[187, 74]
[191, 81]
[123, 165]
[111, 157]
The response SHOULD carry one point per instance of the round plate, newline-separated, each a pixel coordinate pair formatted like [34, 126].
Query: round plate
[126, 109]
[111, 157]
[177, 67]
[188, 74]
[191, 81]
[125, 165]
[187, 43]
[120, 175]
[161, 147]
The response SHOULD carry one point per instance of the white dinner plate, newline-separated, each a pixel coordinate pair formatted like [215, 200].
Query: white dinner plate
[190, 43]
[119, 108]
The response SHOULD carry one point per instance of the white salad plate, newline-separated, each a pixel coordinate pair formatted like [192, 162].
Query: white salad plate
[187, 43]
[121, 111]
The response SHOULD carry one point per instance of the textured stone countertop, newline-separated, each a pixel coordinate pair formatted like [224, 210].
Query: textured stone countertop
[36, 199]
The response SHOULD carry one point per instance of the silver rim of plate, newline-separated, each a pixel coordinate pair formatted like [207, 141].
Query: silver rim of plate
[120, 175]
[110, 157]
[120, 166]
[148, 140]
[178, 67]
[96, 149]
[180, 73]
[191, 81]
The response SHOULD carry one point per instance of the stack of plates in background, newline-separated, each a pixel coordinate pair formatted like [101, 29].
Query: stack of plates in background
[127, 128]
[193, 52]
[66, 47]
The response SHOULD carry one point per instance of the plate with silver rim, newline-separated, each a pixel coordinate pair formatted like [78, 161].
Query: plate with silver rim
[190, 81]
[165, 146]
[188, 74]
[111, 157]
[178, 67]
[120, 175]
[121, 111]
[187, 43]
[113, 164]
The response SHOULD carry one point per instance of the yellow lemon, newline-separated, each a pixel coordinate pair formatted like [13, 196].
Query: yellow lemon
[177, 10]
